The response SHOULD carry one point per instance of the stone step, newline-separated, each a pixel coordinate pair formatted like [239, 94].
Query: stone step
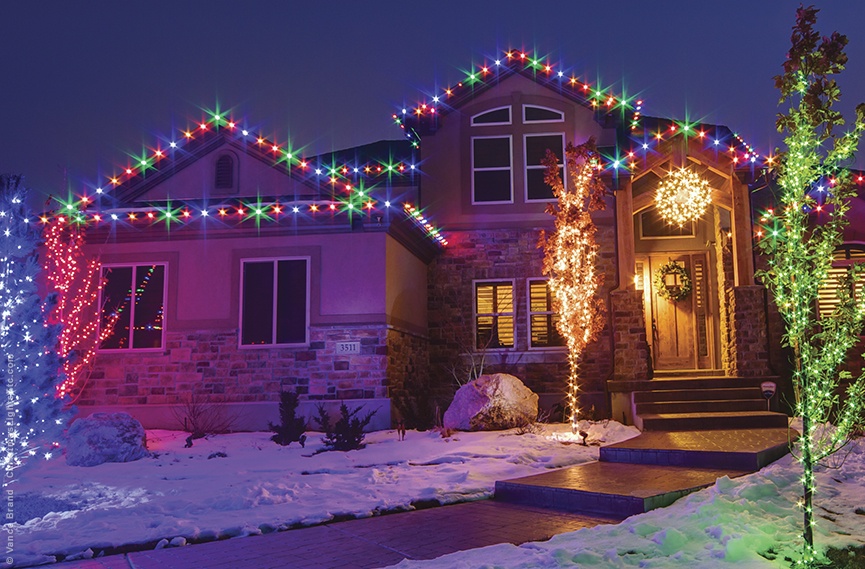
[740, 449]
[609, 488]
[688, 383]
[727, 393]
[701, 406]
[674, 373]
[712, 421]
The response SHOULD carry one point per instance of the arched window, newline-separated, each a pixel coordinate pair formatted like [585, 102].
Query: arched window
[224, 172]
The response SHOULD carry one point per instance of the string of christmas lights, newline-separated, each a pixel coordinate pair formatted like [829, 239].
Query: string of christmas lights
[77, 282]
[570, 257]
[239, 214]
[645, 133]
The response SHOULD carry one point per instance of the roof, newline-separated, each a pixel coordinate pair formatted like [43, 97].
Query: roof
[637, 135]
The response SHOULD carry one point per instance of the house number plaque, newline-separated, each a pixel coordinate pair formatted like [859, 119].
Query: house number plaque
[345, 348]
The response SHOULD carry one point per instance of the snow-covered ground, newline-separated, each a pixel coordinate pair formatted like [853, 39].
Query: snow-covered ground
[244, 484]
[741, 523]
[259, 486]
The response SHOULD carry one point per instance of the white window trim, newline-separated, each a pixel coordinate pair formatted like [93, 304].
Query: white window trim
[530, 313]
[497, 169]
[475, 283]
[560, 119]
[526, 166]
[134, 266]
[485, 111]
[274, 260]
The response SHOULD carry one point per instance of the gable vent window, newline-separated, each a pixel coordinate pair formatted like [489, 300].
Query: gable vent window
[225, 172]
[542, 114]
[501, 115]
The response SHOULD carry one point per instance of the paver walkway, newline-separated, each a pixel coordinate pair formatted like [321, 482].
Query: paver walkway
[365, 543]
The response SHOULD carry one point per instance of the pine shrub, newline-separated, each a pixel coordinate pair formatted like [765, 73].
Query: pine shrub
[347, 433]
[290, 427]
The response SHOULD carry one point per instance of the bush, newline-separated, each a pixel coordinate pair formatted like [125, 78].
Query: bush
[347, 434]
[290, 427]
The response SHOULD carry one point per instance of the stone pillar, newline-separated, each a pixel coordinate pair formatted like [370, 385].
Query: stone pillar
[631, 358]
[749, 347]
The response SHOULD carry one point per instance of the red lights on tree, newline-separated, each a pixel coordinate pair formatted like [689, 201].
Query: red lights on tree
[77, 282]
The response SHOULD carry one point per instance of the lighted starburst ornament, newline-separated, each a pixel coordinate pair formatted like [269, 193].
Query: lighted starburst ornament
[683, 196]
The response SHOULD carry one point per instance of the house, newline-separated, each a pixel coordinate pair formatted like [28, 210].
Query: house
[236, 268]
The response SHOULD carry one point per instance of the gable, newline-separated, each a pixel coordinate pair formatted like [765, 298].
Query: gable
[227, 170]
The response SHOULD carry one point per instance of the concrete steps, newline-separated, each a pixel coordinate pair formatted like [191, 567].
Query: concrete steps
[608, 489]
[649, 471]
[681, 401]
[713, 421]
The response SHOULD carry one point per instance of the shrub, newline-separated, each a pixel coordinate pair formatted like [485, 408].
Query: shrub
[290, 427]
[347, 433]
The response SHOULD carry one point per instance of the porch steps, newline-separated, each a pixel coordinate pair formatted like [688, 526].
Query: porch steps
[706, 400]
[650, 471]
[612, 489]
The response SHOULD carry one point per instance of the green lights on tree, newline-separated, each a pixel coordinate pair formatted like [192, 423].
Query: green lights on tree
[800, 251]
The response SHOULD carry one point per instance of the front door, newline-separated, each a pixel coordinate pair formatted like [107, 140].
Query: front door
[680, 329]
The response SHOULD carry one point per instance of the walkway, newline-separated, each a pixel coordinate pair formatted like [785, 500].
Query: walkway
[365, 543]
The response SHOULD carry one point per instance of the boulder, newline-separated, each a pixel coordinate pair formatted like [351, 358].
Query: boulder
[104, 437]
[491, 402]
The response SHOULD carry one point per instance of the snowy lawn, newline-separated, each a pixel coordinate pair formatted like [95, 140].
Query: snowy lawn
[739, 523]
[244, 484]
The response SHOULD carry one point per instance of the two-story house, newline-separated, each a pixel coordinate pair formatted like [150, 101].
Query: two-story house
[236, 267]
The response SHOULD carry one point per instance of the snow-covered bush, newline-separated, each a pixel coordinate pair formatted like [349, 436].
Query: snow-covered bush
[347, 433]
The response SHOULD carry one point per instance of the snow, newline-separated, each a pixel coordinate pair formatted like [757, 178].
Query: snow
[751, 522]
[181, 495]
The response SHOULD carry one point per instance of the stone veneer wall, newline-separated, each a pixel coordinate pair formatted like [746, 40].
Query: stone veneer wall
[509, 254]
[210, 364]
[631, 346]
[749, 341]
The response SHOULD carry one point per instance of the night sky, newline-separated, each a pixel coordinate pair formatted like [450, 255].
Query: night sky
[85, 84]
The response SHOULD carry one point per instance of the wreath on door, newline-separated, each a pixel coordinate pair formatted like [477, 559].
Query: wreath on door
[681, 286]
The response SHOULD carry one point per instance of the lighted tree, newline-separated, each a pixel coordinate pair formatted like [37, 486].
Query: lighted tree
[570, 256]
[77, 281]
[34, 417]
[800, 248]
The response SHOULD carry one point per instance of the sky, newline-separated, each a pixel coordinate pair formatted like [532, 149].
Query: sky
[83, 85]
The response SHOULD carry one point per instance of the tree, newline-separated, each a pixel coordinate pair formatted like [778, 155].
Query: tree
[34, 417]
[800, 250]
[570, 256]
[76, 282]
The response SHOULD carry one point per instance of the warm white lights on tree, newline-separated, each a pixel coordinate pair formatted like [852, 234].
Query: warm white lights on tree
[683, 196]
[571, 255]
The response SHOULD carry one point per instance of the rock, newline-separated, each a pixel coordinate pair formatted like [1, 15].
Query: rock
[104, 437]
[491, 402]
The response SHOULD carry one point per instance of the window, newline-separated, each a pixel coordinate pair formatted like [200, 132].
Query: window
[536, 149]
[133, 306]
[501, 115]
[827, 295]
[494, 315]
[224, 172]
[542, 320]
[274, 301]
[653, 226]
[541, 114]
[491, 170]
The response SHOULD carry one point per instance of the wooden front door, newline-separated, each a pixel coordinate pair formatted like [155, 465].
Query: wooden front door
[680, 330]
